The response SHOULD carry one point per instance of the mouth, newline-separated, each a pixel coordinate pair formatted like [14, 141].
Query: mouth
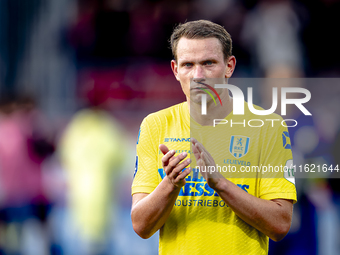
[201, 85]
[198, 88]
[204, 89]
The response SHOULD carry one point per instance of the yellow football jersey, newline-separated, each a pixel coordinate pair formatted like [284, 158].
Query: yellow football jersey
[200, 221]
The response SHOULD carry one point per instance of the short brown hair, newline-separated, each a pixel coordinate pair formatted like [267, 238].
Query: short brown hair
[201, 29]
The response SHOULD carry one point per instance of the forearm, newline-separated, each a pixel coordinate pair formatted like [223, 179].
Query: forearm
[150, 213]
[270, 217]
[273, 218]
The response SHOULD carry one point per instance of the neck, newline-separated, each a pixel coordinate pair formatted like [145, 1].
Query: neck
[213, 111]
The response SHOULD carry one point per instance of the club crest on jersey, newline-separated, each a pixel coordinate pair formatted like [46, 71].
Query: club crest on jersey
[239, 145]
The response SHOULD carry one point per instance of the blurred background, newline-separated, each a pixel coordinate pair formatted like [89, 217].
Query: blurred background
[78, 76]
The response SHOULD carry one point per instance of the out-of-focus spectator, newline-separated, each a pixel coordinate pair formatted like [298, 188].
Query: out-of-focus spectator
[91, 151]
[271, 32]
[23, 147]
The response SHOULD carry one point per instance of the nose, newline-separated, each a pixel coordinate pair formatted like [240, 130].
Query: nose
[199, 73]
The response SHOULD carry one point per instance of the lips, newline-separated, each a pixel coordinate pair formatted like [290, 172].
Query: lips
[211, 88]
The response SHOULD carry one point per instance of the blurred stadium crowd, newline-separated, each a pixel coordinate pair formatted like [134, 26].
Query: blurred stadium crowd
[78, 77]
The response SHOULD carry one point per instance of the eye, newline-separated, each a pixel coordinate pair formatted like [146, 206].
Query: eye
[208, 63]
[188, 64]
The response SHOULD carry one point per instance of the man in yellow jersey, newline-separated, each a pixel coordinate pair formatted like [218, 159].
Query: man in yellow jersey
[201, 212]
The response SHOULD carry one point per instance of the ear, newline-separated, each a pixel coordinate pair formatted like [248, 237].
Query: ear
[174, 68]
[231, 63]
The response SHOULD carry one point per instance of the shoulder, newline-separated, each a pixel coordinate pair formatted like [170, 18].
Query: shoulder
[157, 124]
[173, 113]
[271, 125]
[268, 119]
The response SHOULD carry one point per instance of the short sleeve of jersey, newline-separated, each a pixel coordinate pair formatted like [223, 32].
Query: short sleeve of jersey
[275, 157]
[145, 175]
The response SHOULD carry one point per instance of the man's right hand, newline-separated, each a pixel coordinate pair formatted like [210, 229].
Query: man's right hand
[149, 212]
[173, 166]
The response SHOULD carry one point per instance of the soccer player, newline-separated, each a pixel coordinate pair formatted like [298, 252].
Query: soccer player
[206, 213]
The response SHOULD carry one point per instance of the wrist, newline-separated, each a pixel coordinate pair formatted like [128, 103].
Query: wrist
[219, 184]
[172, 187]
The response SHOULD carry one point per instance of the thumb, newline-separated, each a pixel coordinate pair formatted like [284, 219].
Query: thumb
[163, 149]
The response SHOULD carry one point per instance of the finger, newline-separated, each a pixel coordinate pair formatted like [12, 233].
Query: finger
[200, 162]
[183, 174]
[174, 162]
[167, 156]
[201, 148]
[206, 159]
[195, 144]
[178, 169]
[195, 151]
[163, 149]
[193, 140]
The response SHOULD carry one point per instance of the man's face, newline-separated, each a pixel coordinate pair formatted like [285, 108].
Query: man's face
[199, 59]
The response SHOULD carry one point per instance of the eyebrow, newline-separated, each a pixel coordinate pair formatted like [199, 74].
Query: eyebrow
[201, 61]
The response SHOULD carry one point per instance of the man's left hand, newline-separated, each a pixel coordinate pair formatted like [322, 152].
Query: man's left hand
[206, 164]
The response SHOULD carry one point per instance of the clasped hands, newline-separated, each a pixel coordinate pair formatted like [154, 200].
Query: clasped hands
[175, 166]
